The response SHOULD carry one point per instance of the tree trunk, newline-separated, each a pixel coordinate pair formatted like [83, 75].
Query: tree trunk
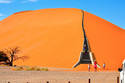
[11, 62]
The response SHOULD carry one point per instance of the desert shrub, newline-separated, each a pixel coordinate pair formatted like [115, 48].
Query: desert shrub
[44, 69]
[30, 68]
[36, 69]
[18, 69]
[26, 68]
[3, 65]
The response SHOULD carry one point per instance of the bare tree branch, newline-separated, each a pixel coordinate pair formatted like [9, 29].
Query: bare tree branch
[12, 56]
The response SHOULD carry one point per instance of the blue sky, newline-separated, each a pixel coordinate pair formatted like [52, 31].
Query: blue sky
[111, 10]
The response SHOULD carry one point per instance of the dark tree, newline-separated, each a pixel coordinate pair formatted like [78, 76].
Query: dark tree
[12, 54]
[4, 58]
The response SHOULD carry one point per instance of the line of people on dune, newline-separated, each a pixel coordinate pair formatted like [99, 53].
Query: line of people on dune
[95, 66]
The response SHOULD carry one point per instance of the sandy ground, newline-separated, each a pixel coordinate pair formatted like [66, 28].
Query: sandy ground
[7, 75]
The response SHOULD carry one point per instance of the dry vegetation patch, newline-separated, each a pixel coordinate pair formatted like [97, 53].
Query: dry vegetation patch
[28, 68]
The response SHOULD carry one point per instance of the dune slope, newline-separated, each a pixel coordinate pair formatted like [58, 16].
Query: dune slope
[54, 38]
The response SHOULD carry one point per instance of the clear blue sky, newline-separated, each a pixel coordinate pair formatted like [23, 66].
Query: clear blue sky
[111, 10]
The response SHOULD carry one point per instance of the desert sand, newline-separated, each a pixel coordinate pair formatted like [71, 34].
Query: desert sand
[7, 75]
[54, 38]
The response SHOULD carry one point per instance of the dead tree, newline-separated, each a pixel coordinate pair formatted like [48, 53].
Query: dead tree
[12, 54]
[8, 56]
[4, 58]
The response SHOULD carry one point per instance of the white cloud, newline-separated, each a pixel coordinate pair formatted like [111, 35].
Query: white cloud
[1, 15]
[5, 1]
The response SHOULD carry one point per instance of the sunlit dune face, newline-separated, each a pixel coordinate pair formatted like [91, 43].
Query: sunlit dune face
[54, 38]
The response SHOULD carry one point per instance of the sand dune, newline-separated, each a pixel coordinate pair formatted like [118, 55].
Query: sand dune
[54, 38]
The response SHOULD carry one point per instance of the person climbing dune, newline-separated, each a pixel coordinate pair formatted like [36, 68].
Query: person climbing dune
[95, 66]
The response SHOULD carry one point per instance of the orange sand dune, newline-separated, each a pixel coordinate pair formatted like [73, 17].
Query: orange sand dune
[54, 38]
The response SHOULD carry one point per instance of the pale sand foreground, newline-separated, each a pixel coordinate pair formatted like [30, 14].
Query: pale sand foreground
[7, 75]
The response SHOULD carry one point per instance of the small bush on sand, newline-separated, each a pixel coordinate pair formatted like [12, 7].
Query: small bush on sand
[36, 69]
[30, 68]
[18, 69]
[44, 69]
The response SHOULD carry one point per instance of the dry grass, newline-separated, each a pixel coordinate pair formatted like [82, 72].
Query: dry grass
[27, 68]
[3, 65]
